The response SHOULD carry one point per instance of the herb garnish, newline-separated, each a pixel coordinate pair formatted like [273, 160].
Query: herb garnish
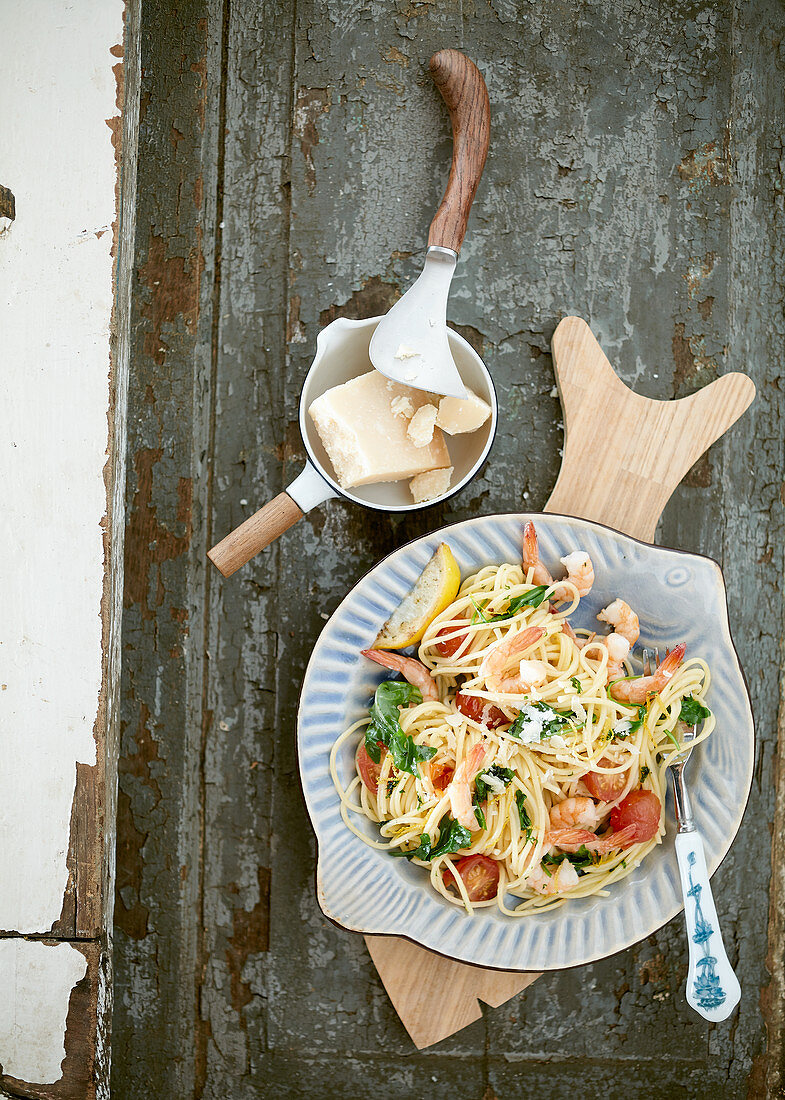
[580, 859]
[575, 683]
[452, 836]
[385, 727]
[633, 725]
[555, 723]
[523, 814]
[482, 790]
[636, 723]
[532, 598]
[692, 711]
[645, 773]
[672, 737]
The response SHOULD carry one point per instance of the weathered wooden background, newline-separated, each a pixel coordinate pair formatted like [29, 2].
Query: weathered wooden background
[290, 159]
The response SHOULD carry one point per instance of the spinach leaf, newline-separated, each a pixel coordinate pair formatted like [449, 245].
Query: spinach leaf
[523, 814]
[575, 683]
[452, 836]
[555, 721]
[692, 712]
[480, 817]
[645, 773]
[533, 598]
[580, 859]
[482, 791]
[386, 728]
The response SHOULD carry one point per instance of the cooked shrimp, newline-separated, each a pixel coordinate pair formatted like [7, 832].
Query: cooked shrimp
[531, 556]
[571, 840]
[459, 789]
[530, 673]
[580, 570]
[618, 650]
[573, 813]
[562, 878]
[414, 671]
[617, 645]
[623, 620]
[567, 629]
[637, 691]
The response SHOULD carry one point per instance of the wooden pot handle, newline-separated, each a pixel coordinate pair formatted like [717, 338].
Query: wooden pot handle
[258, 531]
[463, 90]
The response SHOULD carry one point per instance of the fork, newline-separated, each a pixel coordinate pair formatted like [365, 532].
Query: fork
[713, 989]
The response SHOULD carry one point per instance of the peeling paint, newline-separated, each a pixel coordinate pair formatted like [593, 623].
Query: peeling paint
[709, 165]
[148, 542]
[310, 104]
[250, 935]
[374, 298]
[173, 282]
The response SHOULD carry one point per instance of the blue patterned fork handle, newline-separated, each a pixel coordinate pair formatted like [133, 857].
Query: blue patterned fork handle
[713, 989]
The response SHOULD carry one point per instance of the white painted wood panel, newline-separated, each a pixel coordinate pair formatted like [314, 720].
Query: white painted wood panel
[58, 90]
[36, 979]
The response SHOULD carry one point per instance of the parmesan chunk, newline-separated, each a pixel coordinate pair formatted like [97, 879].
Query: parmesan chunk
[404, 352]
[429, 485]
[421, 426]
[364, 440]
[458, 415]
[402, 406]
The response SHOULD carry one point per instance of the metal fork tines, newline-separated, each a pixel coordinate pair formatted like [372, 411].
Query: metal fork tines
[684, 818]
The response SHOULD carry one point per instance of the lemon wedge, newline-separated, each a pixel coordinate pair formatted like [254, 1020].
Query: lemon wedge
[435, 588]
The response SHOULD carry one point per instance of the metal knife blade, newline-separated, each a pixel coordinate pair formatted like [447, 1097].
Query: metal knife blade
[410, 343]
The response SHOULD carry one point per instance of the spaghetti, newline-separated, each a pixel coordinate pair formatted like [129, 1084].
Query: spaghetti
[532, 778]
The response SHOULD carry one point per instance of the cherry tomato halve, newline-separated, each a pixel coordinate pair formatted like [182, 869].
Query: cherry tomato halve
[605, 788]
[441, 774]
[451, 645]
[480, 877]
[640, 808]
[480, 711]
[369, 770]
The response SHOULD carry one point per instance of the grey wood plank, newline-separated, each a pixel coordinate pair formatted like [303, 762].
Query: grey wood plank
[363, 189]
[242, 736]
[737, 518]
[158, 903]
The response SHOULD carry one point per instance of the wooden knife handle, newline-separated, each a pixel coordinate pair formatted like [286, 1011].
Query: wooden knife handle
[258, 531]
[463, 90]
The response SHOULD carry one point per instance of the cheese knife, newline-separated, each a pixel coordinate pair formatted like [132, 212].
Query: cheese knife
[410, 343]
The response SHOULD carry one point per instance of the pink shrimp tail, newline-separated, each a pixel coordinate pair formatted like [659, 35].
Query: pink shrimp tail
[384, 657]
[670, 664]
[570, 840]
[531, 551]
[414, 671]
[624, 838]
[527, 638]
[476, 758]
